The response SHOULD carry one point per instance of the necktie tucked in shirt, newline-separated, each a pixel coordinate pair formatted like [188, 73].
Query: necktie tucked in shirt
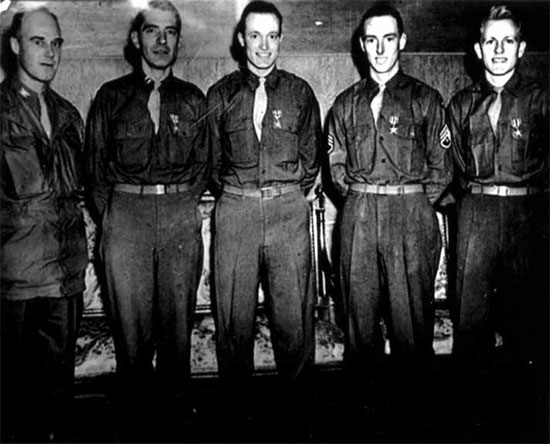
[376, 103]
[44, 117]
[260, 106]
[153, 105]
[494, 110]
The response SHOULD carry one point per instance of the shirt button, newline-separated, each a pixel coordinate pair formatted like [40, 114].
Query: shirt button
[263, 171]
[381, 138]
[383, 160]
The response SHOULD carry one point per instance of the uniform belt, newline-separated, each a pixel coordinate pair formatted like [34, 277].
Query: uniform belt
[152, 189]
[263, 193]
[387, 189]
[501, 190]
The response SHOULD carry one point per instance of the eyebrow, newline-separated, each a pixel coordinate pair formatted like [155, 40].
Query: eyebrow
[391, 34]
[39, 37]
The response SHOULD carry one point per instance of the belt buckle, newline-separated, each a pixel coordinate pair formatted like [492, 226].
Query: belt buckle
[160, 189]
[268, 192]
[503, 191]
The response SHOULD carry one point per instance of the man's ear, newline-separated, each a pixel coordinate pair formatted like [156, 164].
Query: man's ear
[281, 37]
[402, 41]
[14, 44]
[240, 38]
[477, 49]
[135, 39]
[522, 46]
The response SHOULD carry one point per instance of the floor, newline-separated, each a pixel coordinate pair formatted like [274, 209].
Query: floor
[501, 419]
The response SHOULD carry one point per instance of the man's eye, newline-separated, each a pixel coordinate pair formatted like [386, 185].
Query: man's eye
[390, 39]
[57, 45]
[172, 33]
[369, 40]
[489, 42]
[274, 37]
[150, 31]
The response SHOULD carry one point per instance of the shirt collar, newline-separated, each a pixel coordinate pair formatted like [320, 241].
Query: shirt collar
[396, 82]
[272, 79]
[512, 86]
[146, 80]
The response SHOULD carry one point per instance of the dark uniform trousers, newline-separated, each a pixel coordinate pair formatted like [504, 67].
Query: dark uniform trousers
[152, 250]
[502, 280]
[263, 239]
[389, 255]
[38, 355]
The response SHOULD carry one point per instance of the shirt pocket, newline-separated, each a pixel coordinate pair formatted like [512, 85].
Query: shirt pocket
[411, 148]
[361, 155]
[23, 166]
[527, 151]
[180, 143]
[132, 142]
[242, 142]
[481, 161]
[286, 129]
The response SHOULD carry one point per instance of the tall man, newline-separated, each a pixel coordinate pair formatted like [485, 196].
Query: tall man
[389, 157]
[147, 164]
[500, 144]
[43, 248]
[264, 131]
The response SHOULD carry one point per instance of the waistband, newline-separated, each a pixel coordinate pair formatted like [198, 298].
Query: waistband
[504, 191]
[387, 189]
[262, 193]
[152, 189]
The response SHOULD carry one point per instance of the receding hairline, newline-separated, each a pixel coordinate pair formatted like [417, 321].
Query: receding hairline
[30, 12]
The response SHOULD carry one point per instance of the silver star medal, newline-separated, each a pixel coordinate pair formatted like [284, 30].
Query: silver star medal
[394, 120]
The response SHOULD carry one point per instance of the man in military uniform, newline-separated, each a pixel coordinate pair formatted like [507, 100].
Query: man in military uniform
[147, 164]
[388, 152]
[264, 128]
[43, 252]
[500, 143]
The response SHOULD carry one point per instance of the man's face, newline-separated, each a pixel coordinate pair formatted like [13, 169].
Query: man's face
[38, 48]
[261, 41]
[499, 47]
[382, 43]
[158, 39]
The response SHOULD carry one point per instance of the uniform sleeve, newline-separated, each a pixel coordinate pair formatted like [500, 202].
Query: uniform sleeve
[309, 141]
[438, 144]
[201, 157]
[95, 149]
[337, 149]
[214, 107]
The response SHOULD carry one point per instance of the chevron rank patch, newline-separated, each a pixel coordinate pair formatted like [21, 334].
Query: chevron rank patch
[445, 137]
[330, 142]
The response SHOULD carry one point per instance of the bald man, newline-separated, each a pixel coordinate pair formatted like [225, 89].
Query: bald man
[43, 252]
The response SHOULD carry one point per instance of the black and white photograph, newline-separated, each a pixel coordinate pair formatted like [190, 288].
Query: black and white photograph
[296, 221]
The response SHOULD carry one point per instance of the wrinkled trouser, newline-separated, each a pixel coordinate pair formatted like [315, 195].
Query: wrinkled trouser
[38, 362]
[151, 247]
[502, 280]
[389, 254]
[263, 240]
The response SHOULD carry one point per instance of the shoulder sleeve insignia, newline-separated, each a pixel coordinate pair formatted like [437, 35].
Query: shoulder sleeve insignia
[445, 137]
[330, 142]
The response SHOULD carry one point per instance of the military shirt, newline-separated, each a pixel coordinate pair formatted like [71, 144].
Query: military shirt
[517, 154]
[121, 143]
[288, 152]
[409, 144]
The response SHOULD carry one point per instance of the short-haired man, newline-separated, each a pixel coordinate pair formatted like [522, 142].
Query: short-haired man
[43, 250]
[500, 143]
[264, 131]
[389, 157]
[148, 165]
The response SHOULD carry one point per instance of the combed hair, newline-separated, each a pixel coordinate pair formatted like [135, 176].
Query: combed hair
[259, 7]
[381, 9]
[501, 12]
[131, 53]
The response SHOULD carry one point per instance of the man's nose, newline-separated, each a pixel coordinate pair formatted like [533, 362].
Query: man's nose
[50, 50]
[162, 37]
[499, 48]
[380, 48]
[264, 43]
